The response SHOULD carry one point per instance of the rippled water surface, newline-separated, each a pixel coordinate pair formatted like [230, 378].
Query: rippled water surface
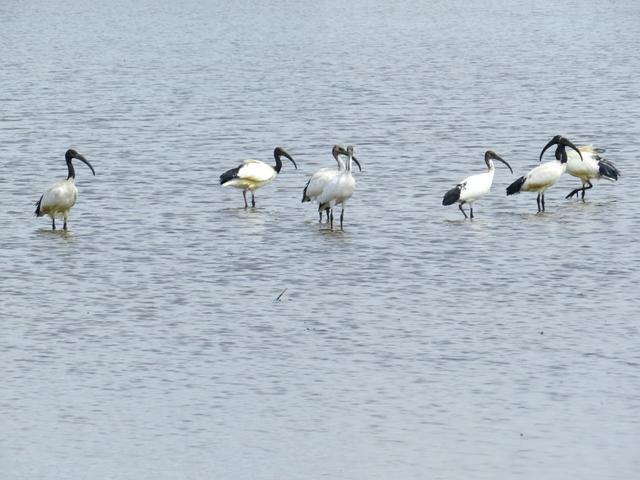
[147, 341]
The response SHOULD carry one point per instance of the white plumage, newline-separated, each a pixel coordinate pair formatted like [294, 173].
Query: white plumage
[544, 176]
[593, 167]
[474, 187]
[319, 180]
[253, 174]
[60, 197]
[338, 190]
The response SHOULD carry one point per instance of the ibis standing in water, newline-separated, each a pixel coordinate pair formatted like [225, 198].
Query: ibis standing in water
[593, 167]
[474, 187]
[338, 190]
[322, 177]
[546, 175]
[253, 174]
[58, 199]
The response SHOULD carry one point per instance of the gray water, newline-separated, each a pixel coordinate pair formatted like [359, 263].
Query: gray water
[147, 342]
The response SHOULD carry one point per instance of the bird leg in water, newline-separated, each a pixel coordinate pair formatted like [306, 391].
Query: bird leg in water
[244, 195]
[471, 210]
[341, 217]
[542, 199]
[331, 218]
[53, 223]
[253, 199]
[462, 210]
[538, 200]
[586, 188]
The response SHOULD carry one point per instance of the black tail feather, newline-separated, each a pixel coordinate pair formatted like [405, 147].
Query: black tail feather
[516, 186]
[608, 169]
[304, 193]
[37, 204]
[452, 196]
[229, 175]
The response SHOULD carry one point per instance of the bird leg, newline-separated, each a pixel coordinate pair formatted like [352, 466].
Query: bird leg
[471, 209]
[64, 226]
[244, 195]
[327, 210]
[462, 210]
[542, 198]
[586, 188]
[341, 217]
[331, 218]
[538, 200]
[53, 223]
[253, 199]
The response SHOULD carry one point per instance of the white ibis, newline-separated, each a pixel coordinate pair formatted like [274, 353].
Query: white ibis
[58, 199]
[338, 190]
[322, 177]
[253, 174]
[546, 175]
[474, 187]
[593, 167]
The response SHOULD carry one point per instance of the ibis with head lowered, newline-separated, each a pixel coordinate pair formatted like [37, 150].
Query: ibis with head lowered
[544, 176]
[593, 167]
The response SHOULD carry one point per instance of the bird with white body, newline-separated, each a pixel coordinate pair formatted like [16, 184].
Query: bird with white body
[338, 190]
[60, 197]
[253, 174]
[322, 177]
[474, 187]
[593, 167]
[544, 176]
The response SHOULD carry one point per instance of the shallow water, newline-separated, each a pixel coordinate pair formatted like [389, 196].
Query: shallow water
[147, 343]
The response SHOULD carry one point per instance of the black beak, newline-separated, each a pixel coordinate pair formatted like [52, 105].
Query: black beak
[560, 151]
[499, 158]
[280, 152]
[357, 163]
[81, 158]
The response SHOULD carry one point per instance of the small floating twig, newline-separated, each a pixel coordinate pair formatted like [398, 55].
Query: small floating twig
[279, 296]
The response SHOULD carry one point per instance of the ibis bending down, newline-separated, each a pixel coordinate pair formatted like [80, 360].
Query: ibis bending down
[253, 174]
[338, 190]
[474, 187]
[593, 167]
[58, 199]
[546, 175]
[322, 177]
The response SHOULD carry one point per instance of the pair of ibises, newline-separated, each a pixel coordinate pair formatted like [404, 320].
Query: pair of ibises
[331, 187]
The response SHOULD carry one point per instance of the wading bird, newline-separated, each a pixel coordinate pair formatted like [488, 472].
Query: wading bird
[58, 199]
[338, 190]
[594, 167]
[546, 175]
[322, 177]
[474, 187]
[253, 174]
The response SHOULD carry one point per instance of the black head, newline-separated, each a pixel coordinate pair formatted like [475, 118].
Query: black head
[71, 154]
[340, 150]
[491, 155]
[561, 149]
[280, 152]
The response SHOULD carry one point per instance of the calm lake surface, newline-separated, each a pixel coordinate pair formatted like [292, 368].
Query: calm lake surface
[147, 342]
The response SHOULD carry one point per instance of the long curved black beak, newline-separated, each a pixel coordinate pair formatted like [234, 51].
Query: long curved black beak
[562, 142]
[495, 156]
[357, 163]
[280, 152]
[81, 158]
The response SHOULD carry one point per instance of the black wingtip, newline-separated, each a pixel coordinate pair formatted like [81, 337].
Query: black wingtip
[37, 212]
[229, 175]
[304, 193]
[452, 196]
[515, 186]
[608, 169]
